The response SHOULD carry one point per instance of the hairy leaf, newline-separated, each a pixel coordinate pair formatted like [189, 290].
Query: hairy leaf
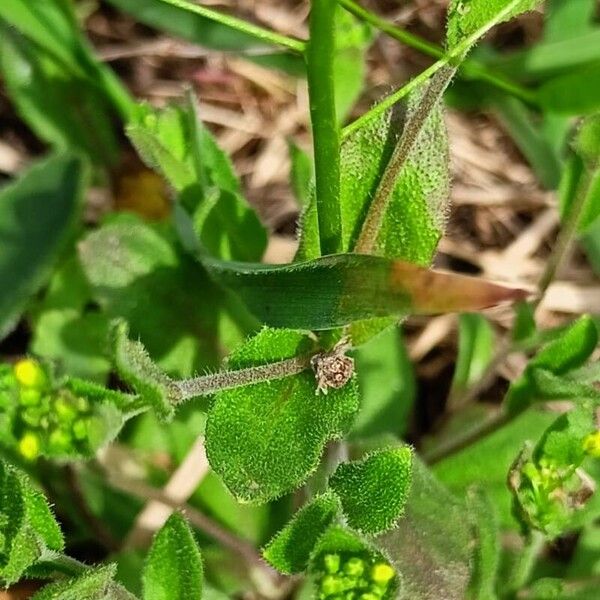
[136, 272]
[289, 551]
[136, 368]
[336, 290]
[37, 213]
[466, 17]
[175, 142]
[430, 547]
[559, 357]
[27, 526]
[265, 439]
[97, 584]
[488, 545]
[173, 569]
[414, 220]
[373, 491]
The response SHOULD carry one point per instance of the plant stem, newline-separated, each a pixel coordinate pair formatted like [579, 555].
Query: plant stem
[470, 67]
[326, 136]
[225, 380]
[377, 209]
[260, 33]
[525, 562]
[455, 55]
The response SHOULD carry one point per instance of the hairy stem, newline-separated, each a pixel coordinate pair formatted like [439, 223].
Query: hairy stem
[326, 136]
[470, 67]
[456, 55]
[225, 380]
[374, 218]
[260, 33]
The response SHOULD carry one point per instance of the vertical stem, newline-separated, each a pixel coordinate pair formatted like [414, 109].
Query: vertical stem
[326, 135]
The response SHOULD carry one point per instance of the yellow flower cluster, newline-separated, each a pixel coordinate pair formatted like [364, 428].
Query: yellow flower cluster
[354, 578]
[46, 420]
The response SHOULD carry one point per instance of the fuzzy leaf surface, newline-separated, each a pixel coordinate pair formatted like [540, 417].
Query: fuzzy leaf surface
[175, 142]
[136, 272]
[37, 213]
[466, 17]
[430, 547]
[560, 356]
[415, 217]
[27, 526]
[336, 290]
[265, 439]
[97, 584]
[488, 548]
[173, 569]
[289, 550]
[374, 490]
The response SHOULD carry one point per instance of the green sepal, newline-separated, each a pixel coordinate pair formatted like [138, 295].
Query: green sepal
[136, 368]
[374, 490]
[173, 569]
[96, 584]
[265, 439]
[289, 550]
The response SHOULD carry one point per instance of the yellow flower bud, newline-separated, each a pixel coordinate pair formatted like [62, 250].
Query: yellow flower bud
[29, 446]
[591, 444]
[382, 573]
[29, 373]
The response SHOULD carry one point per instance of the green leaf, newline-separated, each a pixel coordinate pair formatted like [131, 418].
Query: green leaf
[50, 25]
[430, 548]
[37, 214]
[175, 142]
[574, 93]
[289, 550]
[466, 17]
[352, 38]
[488, 549]
[336, 290]
[386, 380]
[568, 20]
[415, 217]
[41, 88]
[520, 123]
[374, 490]
[475, 350]
[136, 272]
[136, 368]
[173, 569]
[344, 562]
[487, 462]
[28, 529]
[301, 173]
[560, 356]
[97, 584]
[206, 33]
[524, 326]
[265, 439]
[547, 58]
